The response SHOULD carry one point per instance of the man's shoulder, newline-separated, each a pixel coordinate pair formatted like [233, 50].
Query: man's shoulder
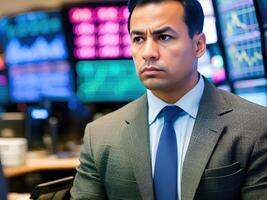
[109, 127]
[122, 113]
[241, 114]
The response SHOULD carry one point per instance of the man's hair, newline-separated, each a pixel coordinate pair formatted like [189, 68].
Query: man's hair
[193, 13]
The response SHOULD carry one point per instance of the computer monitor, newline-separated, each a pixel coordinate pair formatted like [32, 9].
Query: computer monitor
[100, 46]
[98, 30]
[67, 120]
[30, 82]
[36, 56]
[241, 39]
[108, 81]
[36, 127]
[34, 37]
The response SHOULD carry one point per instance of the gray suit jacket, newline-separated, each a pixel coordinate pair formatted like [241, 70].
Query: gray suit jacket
[226, 157]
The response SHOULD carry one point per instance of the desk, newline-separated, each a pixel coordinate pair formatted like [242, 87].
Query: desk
[16, 196]
[39, 164]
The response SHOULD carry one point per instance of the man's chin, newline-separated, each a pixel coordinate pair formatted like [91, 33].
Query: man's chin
[154, 86]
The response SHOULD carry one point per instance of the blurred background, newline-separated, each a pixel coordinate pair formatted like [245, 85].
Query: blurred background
[66, 63]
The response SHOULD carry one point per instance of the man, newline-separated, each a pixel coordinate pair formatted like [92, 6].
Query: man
[218, 148]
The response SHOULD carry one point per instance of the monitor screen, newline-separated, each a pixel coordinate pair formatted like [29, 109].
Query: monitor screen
[34, 37]
[36, 126]
[100, 46]
[241, 39]
[36, 56]
[30, 82]
[108, 81]
[99, 31]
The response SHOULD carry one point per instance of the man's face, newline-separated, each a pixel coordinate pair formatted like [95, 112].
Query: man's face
[163, 53]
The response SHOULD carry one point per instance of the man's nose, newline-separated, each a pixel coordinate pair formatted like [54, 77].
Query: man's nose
[150, 50]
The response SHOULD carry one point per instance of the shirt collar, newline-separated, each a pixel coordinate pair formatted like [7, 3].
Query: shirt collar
[189, 102]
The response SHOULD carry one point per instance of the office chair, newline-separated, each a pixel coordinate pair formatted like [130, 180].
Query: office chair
[53, 190]
[3, 185]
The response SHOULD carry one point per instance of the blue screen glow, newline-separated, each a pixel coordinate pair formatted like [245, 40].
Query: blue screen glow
[241, 38]
[34, 37]
[29, 82]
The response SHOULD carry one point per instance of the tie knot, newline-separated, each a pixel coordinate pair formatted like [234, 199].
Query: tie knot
[171, 113]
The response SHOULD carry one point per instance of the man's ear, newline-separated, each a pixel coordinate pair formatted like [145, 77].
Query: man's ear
[200, 43]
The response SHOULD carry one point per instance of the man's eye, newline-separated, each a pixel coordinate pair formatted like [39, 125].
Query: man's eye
[165, 37]
[138, 39]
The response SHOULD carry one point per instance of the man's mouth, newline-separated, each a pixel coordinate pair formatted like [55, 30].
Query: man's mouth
[151, 70]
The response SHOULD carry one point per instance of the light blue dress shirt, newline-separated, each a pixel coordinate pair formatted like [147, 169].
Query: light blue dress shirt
[183, 125]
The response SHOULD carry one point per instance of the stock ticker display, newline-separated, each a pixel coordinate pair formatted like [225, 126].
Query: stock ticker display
[30, 82]
[100, 32]
[34, 37]
[101, 49]
[241, 38]
[108, 81]
[36, 56]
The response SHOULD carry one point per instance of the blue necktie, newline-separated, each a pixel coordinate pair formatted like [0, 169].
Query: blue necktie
[166, 166]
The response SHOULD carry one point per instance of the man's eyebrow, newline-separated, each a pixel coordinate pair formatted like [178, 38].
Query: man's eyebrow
[135, 32]
[155, 32]
[163, 30]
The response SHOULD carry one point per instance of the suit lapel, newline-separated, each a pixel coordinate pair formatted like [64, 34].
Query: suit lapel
[138, 138]
[205, 135]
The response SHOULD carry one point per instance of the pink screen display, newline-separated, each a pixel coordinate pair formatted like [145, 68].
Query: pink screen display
[100, 32]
